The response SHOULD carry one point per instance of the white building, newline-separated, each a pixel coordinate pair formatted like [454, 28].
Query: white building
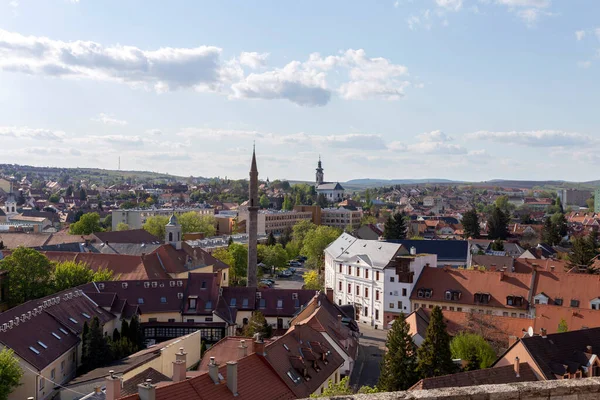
[376, 277]
[135, 218]
[341, 217]
[333, 191]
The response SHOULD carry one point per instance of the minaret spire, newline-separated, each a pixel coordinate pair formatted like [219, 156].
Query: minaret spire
[252, 280]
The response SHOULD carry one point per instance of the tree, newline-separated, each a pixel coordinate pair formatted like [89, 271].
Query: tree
[96, 347]
[116, 335]
[312, 280]
[474, 348]
[156, 225]
[288, 205]
[69, 191]
[395, 227]
[87, 224]
[84, 334]
[298, 201]
[258, 324]
[121, 348]
[69, 274]
[562, 326]
[322, 201]
[503, 204]
[30, 275]
[104, 275]
[368, 220]
[271, 239]
[274, 256]
[191, 221]
[560, 224]
[107, 223]
[368, 201]
[82, 195]
[54, 198]
[434, 354]
[584, 249]
[315, 243]
[134, 333]
[498, 224]
[470, 223]
[301, 229]
[399, 365]
[590, 203]
[498, 245]
[549, 233]
[335, 389]
[122, 226]
[263, 201]
[10, 373]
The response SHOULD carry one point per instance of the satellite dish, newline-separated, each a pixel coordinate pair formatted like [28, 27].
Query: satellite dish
[530, 331]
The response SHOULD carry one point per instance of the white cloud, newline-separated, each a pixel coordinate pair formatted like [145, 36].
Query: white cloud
[434, 142]
[451, 5]
[155, 132]
[23, 132]
[584, 64]
[108, 119]
[253, 59]
[580, 35]
[542, 138]
[434, 136]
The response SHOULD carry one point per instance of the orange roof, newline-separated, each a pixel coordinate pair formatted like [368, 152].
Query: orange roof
[549, 316]
[526, 265]
[469, 282]
[225, 350]
[568, 286]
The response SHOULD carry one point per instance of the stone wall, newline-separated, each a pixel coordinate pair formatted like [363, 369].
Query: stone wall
[571, 389]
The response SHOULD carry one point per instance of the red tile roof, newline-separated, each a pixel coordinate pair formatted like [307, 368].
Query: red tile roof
[582, 288]
[226, 349]
[526, 265]
[549, 317]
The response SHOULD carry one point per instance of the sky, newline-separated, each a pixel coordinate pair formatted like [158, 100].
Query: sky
[458, 89]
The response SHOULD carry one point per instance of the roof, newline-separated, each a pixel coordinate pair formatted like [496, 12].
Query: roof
[14, 240]
[347, 248]
[493, 262]
[568, 286]
[226, 349]
[558, 353]
[548, 317]
[129, 236]
[130, 386]
[282, 302]
[499, 285]
[418, 321]
[488, 376]
[526, 265]
[446, 250]
[254, 376]
[330, 186]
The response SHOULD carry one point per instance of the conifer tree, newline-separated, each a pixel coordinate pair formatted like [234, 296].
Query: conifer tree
[470, 222]
[395, 227]
[271, 239]
[434, 354]
[97, 351]
[398, 368]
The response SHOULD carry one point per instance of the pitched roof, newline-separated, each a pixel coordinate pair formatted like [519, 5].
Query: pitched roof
[493, 262]
[283, 302]
[526, 265]
[128, 236]
[14, 240]
[446, 250]
[330, 186]
[130, 385]
[549, 317]
[499, 285]
[226, 349]
[582, 288]
[488, 376]
[373, 252]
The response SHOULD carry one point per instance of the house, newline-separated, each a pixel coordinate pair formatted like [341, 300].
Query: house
[567, 290]
[454, 253]
[428, 201]
[568, 355]
[368, 232]
[505, 263]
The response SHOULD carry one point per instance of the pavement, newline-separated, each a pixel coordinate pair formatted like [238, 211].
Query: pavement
[296, 281]
[370, 354]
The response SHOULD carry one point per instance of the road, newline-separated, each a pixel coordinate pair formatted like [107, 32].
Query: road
[294, 282]
[370, 355]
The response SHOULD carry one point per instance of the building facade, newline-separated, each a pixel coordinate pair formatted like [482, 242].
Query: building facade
[135, 218]
[341, 217]
[276, 222]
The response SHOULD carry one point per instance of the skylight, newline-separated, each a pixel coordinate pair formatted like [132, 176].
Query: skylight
[85, 315]
[63, 331]
[56, 336]
[285, 346]
[73, 320]
[163, 299]
[34, 350]
[208, 305]
[140, 301]
[232, 302]
[42, 344]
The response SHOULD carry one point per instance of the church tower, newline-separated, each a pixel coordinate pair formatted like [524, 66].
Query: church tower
[10, 205]
[319, 173]
[253, 224]
[173, 232]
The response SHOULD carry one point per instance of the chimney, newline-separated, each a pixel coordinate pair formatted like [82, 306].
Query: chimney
[543, 331]
[242, 349]
[232, 378]
[179, 366]
[588, 349]
[146, 390]
[517, 367]
[501, 275]
[339, 318]
[259, 347]
[330, 294]
[113, 386]
[213, 371]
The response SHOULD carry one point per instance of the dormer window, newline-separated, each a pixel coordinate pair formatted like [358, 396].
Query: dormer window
[452, 295]
[232, 302]
[420, 293]
[192, 303]
[245, 302]
[262, 303]
[515, 301]
[574, 303]
[279, 303]
[482, 298]
[558, 301]
[428, 293]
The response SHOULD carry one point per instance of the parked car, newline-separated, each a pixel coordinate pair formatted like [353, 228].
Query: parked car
[292, 270]
[267, 282]
[294, 263]
[284, 274]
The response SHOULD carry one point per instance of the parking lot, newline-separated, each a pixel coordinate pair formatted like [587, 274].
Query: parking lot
[294, 282]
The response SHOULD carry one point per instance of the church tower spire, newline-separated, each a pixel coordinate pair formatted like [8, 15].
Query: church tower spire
[320, 174]
[252, 280]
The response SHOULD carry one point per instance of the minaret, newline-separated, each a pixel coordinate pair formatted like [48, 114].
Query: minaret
[253, 223]
[319, 173]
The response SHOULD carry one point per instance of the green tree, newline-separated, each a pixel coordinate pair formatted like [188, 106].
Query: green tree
[301, 229]
[191, 221]
[434, 354]
[550, 234]
[116, 335]
[223, 254]
[368, 201]
[298, 201]
[368, 220]
[96, 347]
[274, 256]
[121, 348]
[498, 224]
[82, 195]
[503, 204]
[474, 348]
[560, 224]
[322, 201]
[54, 198]
[288, 205]
[104, 275]
[122, 226]
[395, 227]
[590, 203]
[10, 373]
[134, 333]
[87, 224]
[84, 334]
[239, 254]
[271, 239]
[312, 280]
[335, 389]
[69, 274]
[470, 223]
[584, 249]
[263, 201]
[498, 245]
[258, 324]
[30, 275]
[156, 225]
[562, 326]
[69, 191]
[315, 243]
[399, 365]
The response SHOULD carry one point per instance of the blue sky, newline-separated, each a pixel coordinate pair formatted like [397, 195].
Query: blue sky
[458, 89]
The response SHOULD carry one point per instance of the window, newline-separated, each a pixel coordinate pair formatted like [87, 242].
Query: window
[203, 285]
[488, 312]
[358, 272]
[366, 312]
[399, 305]
[56, 336]
[262, 303]
[245, 302]
[339, 302]
[340, 286]
[366, 292]
[279, 303]
[444, 308]
[377, 295]
[208, 319]
[574, 303]
[349, 288]
[357, 290]
[232, 302]
[208, 305]
[366, 274]
[163, 299]
[391, 305]
[459, 309]
[140, 301]
[376, 275]
[171, 319]
[521, 315]
[152, 320]
[340, 268]
[376, 314]
[42, 344]
[192, 304]
[349, 270]
[52, 373]
[189, 320]
[594, 306]
[420, 293]
[514, 315]
[558, 301]
[42, 382]
[505, 314]
[451, 308]
[404, 292]
[537, 301]
[391, 279]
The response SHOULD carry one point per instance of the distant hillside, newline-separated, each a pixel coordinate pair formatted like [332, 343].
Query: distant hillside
[367, 182]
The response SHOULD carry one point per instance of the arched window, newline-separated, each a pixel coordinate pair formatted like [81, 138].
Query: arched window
[170, 236]
[178, 236]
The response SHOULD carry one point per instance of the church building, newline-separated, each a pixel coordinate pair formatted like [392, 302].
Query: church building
[333, 191]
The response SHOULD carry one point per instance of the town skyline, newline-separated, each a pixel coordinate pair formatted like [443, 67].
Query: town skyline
[459, 89]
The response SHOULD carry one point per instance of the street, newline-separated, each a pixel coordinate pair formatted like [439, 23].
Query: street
[370, 355]
[294, 282]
